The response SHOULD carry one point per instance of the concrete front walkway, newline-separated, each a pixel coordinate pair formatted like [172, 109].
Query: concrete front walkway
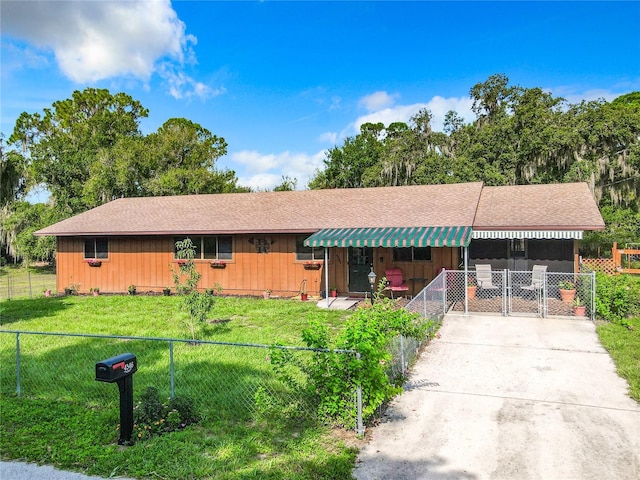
[509, 398]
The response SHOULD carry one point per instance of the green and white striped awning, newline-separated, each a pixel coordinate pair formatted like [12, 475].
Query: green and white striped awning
[391, 237]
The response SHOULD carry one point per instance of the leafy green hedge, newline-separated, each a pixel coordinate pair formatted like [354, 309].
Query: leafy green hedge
[331, 378]
[617, 296]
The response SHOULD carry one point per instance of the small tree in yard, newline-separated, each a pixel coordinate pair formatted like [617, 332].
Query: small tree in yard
[330, 378]
[196, 304]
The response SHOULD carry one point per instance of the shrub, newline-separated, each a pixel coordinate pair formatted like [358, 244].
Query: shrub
[152, 417]
[617, 296]
[196, 304]
[331, 378]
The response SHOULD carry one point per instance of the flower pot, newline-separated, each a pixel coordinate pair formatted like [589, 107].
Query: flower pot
[580, 311]
[471, 291]
[47, 292]
[334, 293]
[567, 295]
[304, 297]
[266, 295]
[95, 294]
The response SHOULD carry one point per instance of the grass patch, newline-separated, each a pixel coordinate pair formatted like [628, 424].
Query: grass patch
[622, 340]
[26, 282]
[65, 418]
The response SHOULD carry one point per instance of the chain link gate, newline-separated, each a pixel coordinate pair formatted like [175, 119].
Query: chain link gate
[529, 293]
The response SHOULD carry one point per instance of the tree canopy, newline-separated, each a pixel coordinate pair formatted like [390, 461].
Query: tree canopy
[88, 150]
[519, 136]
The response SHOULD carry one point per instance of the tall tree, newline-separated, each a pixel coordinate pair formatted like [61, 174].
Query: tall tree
[13, 181]
[63, 143]
[345, 166]
[182, 160]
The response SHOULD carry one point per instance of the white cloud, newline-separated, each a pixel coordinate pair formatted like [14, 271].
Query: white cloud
[575, 95]
[438, 106]
[328, 137]
[261, 171]
[96, 40]
[377, 101]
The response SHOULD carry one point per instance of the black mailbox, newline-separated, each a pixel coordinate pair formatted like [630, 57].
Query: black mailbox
[120, 370]
[113, 369]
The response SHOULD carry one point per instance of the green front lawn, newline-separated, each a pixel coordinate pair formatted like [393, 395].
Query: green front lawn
[622, 340]
[68, 420]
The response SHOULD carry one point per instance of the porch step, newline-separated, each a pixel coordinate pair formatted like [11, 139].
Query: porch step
[338, 303]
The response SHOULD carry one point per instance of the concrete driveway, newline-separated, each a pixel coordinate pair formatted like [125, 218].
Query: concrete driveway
[509, 398]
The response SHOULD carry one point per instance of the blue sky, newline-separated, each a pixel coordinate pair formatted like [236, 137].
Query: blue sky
[283, 82]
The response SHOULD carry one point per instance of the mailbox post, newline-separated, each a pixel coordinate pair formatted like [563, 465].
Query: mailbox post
[120, 370]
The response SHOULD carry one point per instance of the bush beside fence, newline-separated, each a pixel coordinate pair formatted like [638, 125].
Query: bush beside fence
[226, 381]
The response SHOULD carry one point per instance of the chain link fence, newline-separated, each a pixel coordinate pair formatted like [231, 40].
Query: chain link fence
[430, 305]
[24, 283]
[227, 381]
[509, 292]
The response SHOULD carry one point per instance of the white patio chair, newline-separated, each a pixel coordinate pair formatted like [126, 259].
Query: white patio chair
[484, 277]
[537, 279]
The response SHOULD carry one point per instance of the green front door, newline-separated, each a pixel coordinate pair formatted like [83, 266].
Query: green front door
[360, 259]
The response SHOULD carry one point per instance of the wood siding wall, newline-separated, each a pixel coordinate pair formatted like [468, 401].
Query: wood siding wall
[147, 261]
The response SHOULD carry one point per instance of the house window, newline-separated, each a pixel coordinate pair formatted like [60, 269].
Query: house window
[412, 254]
[96, 248]
[209, 247]
[307, 253]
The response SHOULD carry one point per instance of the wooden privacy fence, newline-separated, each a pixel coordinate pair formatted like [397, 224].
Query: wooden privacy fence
[626, 260]
[602, 265]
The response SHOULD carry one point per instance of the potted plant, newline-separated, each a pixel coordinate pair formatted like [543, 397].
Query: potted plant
[471, 287]
[218, 264]
[567, 291]
[132, 289]
[94, 263]
[166, 291]
[95, 291]
[312, 265]
[303, 291]
[267, 293]
[579, 309]
[333, 291]
[47, 292]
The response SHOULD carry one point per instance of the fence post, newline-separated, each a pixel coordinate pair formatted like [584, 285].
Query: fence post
[171, 373]
[505, 311]
[18, 363]
[402, 353]
[593, 295]
[543, 300]
[424, 302]
[30, 288]
[360, 426]
[444, 291]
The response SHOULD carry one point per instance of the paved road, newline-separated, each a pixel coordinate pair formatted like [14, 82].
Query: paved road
[509, 398]
[31, 471]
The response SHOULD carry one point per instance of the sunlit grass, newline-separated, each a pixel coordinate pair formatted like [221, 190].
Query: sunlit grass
[65, 418]
[623, 343]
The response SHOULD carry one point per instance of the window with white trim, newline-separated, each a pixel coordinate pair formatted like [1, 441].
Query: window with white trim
[96, 248]
[210, 247]
[307, 253]
[412, 254]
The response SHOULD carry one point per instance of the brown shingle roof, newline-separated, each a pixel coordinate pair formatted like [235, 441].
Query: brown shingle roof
[297, 211]
[564, 206]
